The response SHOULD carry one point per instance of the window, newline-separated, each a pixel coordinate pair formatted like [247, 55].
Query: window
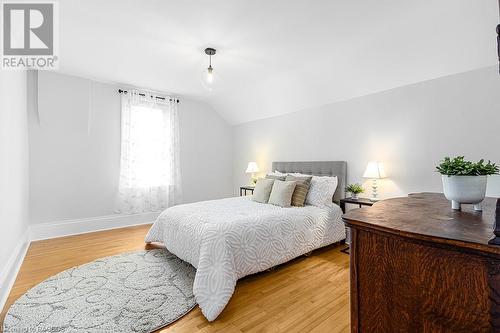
[149, 168]
[149, 142]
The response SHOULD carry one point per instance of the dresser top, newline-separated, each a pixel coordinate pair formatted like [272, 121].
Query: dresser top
[428, 216]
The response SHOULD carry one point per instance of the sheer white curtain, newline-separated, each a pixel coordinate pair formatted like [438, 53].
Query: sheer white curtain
[150, 176]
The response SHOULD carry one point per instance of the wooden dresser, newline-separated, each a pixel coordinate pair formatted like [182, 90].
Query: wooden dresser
[418, 266]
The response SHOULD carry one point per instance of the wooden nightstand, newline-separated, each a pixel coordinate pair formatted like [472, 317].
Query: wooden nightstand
[361, 202]
[244, 189]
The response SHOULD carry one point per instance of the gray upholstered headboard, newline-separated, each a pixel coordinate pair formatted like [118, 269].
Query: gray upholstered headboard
[319, 168]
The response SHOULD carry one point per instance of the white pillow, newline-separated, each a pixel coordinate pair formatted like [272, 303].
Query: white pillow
[281, 194]
[277, 173]
[321, 190]
[262, 190]
[298, 174]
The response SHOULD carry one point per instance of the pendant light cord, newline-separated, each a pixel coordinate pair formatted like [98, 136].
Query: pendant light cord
[498, 38]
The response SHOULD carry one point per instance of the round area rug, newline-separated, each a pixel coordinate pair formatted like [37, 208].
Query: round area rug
[132, 292]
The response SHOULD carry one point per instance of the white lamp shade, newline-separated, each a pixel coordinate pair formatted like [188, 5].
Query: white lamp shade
[374, 170]
[252, 167]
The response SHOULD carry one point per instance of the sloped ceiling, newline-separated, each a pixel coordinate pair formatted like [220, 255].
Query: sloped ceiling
[275, 56]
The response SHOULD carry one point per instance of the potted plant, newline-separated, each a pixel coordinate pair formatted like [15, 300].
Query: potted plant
[354, 189]
[464, 182]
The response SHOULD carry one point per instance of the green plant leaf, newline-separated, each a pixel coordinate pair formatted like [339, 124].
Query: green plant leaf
[354, 188]
[458, 166]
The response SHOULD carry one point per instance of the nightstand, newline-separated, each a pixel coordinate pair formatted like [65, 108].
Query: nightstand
[360, 202]
[244, 189]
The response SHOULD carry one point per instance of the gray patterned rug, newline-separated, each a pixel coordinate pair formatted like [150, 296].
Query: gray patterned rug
[132, 292]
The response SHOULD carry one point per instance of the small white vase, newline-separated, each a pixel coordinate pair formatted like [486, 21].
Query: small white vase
[465, 190]
[354, 196]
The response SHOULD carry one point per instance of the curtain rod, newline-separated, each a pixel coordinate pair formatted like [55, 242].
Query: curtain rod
[121, 91]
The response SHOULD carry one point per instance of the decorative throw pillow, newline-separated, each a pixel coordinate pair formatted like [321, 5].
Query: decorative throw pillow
[262, 190]
[301, 189]
[281, 194]
[321, 191]
[275, 177]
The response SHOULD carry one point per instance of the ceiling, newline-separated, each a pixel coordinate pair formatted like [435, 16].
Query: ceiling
[275, 56]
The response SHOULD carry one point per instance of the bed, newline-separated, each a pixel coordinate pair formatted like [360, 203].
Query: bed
[228, 239]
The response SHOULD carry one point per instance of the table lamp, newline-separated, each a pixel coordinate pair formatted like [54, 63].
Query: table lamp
[252, 168]
[374, 170]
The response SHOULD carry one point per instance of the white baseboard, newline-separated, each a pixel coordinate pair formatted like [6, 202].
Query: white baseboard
[81, 226]
[9, 272]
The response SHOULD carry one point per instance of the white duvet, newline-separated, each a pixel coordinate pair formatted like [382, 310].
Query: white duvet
[230, 238]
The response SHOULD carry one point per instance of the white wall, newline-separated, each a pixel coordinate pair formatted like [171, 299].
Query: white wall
[75, 150]
[13, 170]
[409, 128]
[206, 153]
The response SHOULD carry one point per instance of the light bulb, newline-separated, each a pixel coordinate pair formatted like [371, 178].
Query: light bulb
[210, 75]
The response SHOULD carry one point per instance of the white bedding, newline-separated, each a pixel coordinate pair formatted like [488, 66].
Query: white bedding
[230, 238]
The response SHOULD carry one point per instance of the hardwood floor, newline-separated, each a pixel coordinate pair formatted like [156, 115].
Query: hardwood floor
[308, 294]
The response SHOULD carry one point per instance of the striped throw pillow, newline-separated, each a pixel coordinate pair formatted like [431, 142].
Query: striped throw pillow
[301, 189]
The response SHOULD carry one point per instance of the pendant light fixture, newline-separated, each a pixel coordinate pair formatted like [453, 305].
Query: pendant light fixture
[210, 71]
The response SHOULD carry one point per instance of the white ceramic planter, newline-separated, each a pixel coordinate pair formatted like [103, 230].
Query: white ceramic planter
[465, 190]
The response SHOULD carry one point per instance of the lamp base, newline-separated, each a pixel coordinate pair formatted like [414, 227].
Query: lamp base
[374, 190]
[253, 180]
